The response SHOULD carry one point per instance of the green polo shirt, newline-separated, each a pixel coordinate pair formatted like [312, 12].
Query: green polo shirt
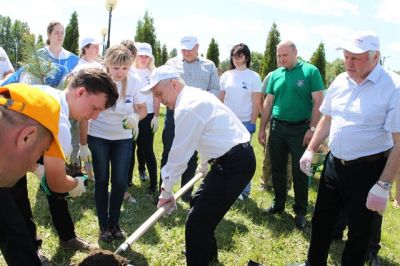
[292, 90]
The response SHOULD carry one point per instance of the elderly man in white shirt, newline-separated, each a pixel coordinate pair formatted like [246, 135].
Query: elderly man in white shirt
[211, 128]
[362, 118]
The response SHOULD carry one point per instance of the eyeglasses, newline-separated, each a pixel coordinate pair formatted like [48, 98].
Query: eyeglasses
[237, 56]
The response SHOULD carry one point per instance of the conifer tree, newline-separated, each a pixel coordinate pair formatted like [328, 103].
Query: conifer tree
[318, 60]
[71, 41]
[173, 53]
[213, 52]
[146, 32]
[164, 54]
[269, 61]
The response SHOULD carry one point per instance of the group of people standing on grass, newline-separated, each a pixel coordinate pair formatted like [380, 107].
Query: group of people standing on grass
[109, 113]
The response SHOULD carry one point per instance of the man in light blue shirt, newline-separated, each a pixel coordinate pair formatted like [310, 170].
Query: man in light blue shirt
[362, 118]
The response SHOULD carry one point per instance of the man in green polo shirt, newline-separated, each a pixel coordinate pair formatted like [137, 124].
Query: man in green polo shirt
[294, 95]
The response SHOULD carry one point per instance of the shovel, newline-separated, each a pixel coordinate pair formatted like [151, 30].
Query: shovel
[155, 216]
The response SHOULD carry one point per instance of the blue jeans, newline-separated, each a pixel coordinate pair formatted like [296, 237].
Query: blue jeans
[119, 153]
[246, 190]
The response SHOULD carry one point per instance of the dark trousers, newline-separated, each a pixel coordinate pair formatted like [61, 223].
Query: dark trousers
[167, 139]
[216, 194]
[374, 243]
[145, 151]
[16, 243]
[343, 187]
[284, 140]
[58, 207]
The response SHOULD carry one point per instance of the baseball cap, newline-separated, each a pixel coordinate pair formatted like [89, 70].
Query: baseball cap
[144, 49]
[160, 73]
[88, 40]
[361, 43]
[188, 42]
[38, 105]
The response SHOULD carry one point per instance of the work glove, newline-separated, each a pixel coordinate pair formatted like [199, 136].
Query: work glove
[79, 189]
[85, 154]
[202, 168]
[377, 198]
[305, 162]
[39, 171]
[135, 133]
[131, 121]
[167, 198]
[154, 124]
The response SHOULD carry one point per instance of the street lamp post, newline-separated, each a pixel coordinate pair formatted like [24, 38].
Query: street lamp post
[104, 33]
[110, 5]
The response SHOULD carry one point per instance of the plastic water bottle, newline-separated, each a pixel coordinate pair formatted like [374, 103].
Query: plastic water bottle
[89, 170]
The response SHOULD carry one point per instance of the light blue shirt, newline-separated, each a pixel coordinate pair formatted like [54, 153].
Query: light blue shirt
[201, 73]
[365, 115]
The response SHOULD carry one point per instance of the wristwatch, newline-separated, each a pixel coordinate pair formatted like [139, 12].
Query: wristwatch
[312, 129]
[384, 185]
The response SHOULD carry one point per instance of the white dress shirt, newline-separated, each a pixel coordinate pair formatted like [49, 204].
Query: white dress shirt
[204, 124]
[363, 115]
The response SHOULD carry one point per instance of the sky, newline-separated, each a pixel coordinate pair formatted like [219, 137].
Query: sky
[305, 22]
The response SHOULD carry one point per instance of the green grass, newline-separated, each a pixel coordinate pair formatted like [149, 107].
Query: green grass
[243, 234]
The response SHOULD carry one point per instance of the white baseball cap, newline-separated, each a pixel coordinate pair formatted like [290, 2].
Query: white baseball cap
[160, 73]
[144, 49]
[361, 43]
[188, 42]
[88, 40]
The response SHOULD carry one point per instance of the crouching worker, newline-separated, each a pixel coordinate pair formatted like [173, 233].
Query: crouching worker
[28, 129]
[204, 124]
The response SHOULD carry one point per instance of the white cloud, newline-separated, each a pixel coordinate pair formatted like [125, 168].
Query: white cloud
[315, 7]
[388, 11]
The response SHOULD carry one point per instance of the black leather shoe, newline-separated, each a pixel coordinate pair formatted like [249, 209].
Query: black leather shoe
[300, 221]
[373, 260]
[272, 210]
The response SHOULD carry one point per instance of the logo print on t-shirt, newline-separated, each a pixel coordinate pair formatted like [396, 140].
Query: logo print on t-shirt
[127, 99]
[300, 83]
[244, 85]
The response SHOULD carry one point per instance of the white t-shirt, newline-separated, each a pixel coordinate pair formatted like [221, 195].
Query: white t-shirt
[239, 86]
[5, 64]
[83, 64]
[109, 123]
[202, 123]
[64, 126]
[144, 76]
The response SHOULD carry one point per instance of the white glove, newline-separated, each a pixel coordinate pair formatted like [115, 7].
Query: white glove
[377, 199]
[84, 153]
[154, 124]
[305, 162]
[167, 198]
[202, 168]
[39, 172]
[131, 121]
[79, 189]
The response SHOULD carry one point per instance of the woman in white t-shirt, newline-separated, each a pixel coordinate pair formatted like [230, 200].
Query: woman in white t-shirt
[110, 140]
[240, 90]
[143, 66]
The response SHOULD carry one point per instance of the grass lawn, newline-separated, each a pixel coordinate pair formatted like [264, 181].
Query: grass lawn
[244, 234]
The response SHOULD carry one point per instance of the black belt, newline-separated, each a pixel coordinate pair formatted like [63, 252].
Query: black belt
[233, 150]
[365, 159]
[289, 123]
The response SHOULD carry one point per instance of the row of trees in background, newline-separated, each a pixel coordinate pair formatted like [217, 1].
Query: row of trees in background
[13, 34]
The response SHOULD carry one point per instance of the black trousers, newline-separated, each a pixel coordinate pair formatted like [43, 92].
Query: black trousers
[16, 243]
[374, 242]
[167, 139]
[145, 151]
[216, 194]
[58, 206]
[343, 186]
